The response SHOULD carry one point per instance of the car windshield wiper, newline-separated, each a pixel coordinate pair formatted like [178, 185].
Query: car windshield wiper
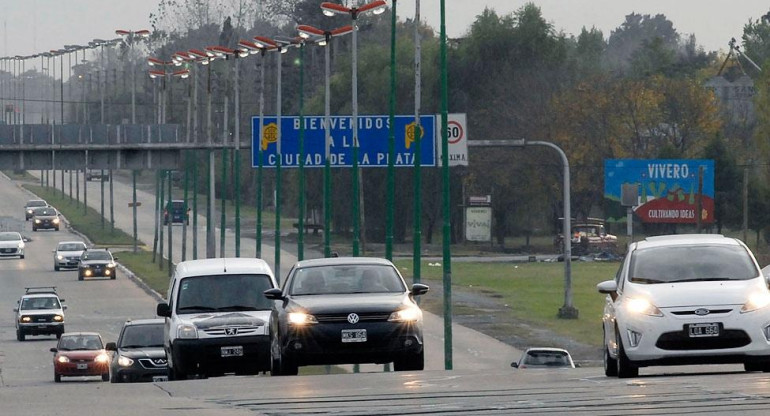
[646, 280]
[196, 307]
[237, 308]
[702, 279]
[133, 346]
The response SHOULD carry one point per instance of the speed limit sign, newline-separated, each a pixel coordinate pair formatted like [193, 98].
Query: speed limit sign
[457, 139]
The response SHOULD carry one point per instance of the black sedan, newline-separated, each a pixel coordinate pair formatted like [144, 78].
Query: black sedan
[139, 355]
[346, 310]
[45, 218]
[97, 263]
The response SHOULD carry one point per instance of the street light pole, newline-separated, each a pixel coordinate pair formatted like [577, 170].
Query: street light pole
[324, 38]
[391, 139]
[417, 233]
[447, 278]
[131, 36]
[330, 9]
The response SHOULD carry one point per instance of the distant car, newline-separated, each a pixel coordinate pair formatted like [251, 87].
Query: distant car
[346, 310]
[178, 212]
[97, 175]
[31, 205]
[11, 244]
[39, 311]
[67, 254]
[588, 237]
[80, 354]
[97, 263]
[45, 218]
[686, 299]
[216, 317]
[544, 357]
[138, 354]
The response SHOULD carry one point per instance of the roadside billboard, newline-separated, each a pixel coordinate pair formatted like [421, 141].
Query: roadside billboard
[669, 189]
[373, 132]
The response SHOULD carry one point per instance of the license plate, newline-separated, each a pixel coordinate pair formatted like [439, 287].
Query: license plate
[156, 379]
[353, 335]
[83, 366]
[703, 330]
[235, 351]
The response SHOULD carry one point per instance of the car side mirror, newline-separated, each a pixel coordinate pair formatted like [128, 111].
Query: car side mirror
[64, 307]
[115, 258]
[608, 287]
[274, 294]
[419, 289]
[53, 349]
[515, 364]
[577, 365]
[15, 309]
[163, 310]
[53, 251]
[111, 346]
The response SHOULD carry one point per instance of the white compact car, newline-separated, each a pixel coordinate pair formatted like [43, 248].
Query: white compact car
[67, 254]
[11, 244]
[686, 299]
[217, 318]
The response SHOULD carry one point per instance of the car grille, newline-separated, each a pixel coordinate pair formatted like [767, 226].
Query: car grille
[8, 250]
[693, 312]
[153, 363]
[362, 317]
[221, 331]
[41, 318]
[677, 341]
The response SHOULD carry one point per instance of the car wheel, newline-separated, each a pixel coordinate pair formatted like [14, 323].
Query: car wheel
[21, 257]
[80, 277]
[34, 229]
[173, 374]
[610, 364]
[114, 378]
[106, 377]
[56, 268]
[411, 362]
[57, 378]
[114, 276]
[19, 335]
[288, 366]
[626, 369]
[58, 334]
[57, 228]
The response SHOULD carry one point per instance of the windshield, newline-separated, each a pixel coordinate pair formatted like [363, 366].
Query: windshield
[36, 204]
[71, 247]
[547, 359]
[10, 237]
[45, 212]
[96, 255]
[138, 336]
[80, 342]
[345, 279]
[691, 264]
[219, 293]
[38, 303]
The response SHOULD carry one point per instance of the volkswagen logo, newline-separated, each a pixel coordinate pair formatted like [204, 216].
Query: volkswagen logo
[702, 311]
[231, 331]
[353, 318]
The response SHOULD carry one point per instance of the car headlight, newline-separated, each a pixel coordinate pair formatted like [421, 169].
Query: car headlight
[299, 318]
[186, 331]
[88, 272]
[26, 319]
[29, 211]
[125, 361]
[111, 265]
[63, 359]
[37, 221]
[55, 220]
[58, 318]
[102, 358]
[405, 315]
[21, 244]
[643, 307]
[107, 272]
[756, 301]
[60, 257]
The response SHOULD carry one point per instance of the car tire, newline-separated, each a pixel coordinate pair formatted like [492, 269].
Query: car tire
[56, 229]
[106, 377]
[57, 378]
[610, 364]
[56, 268]
[289, 367]
[80, 277]
[34, 229]
[173, 374]
[114, 276]
[21, 257]
[626, 369]
[114, 378]
[58, 334]
[411, 362]
[19, 335]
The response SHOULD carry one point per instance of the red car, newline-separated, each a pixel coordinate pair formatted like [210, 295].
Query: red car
[80, 354]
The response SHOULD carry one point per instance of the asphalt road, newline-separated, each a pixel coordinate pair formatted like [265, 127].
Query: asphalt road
[481, 383]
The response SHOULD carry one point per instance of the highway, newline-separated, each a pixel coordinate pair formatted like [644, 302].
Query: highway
[482, 381]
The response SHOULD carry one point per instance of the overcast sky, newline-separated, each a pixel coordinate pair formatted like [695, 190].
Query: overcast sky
[32, 26]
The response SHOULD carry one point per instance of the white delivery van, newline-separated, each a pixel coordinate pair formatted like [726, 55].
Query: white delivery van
[217, 317]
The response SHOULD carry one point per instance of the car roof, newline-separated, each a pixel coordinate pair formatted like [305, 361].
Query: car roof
[219, 266]
[80, 333]
[147, 321]
[10, 232]
[36, 200]
[546, 349]
[685, 240]
[331, 261]
[71, 242]
[41, 295]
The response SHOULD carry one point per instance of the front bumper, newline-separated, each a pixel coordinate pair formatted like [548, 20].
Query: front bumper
[743, 337]
[48, 328]
[137, 373]
[11, 251]
[322, 343]
[92, 368]
[97, 271]
[69, 263]
[204, 355]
